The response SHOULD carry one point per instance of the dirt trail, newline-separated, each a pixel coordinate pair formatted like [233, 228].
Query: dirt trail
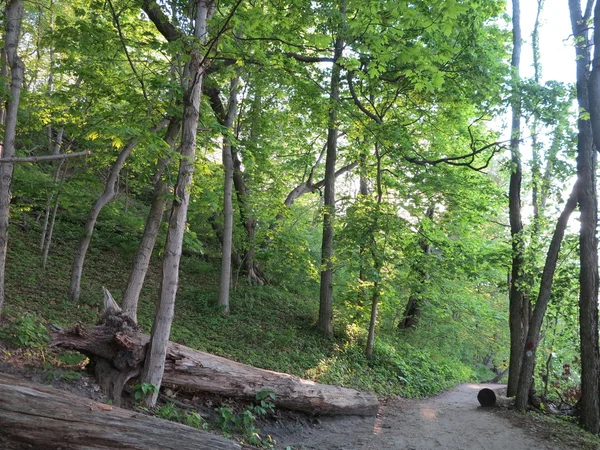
[453, 421]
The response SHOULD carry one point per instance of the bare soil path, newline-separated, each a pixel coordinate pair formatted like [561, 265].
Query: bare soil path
[453, 421]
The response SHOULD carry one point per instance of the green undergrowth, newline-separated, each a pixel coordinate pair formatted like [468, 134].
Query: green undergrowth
[269, 327]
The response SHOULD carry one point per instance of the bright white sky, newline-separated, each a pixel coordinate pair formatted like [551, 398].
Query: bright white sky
[557, 52]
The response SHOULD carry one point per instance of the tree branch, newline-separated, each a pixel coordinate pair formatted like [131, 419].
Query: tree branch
[358, 103]
[124, 45]
[34, 159]
[458, 160]
[304, 58]
[161, 21]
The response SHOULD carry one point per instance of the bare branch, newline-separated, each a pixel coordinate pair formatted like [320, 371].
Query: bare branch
[304, 188]
[34, 159]
[460, 160]
[358, 103]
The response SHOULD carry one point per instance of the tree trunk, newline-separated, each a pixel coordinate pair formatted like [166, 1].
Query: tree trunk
[537, 317]
[519, 302]
[36, 416]
[122, 350]
[141, 261]
[13, 15]
[588, 143]
[107, 196]
[55, 146]
[325, 322]
[52, 218]
[248, 265]
[161, 327]
[414, 307]
[225, 279]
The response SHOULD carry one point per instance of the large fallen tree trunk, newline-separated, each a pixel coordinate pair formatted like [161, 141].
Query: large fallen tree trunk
[35, 416]
[118, 351]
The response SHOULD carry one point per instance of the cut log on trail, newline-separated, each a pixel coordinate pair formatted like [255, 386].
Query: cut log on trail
[118, 351]
[35, 416]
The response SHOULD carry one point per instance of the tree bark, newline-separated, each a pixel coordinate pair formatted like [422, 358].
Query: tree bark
[519, 301]
[197, 371]
[36, 416]
[588, 143]
[227, 247]
[161, 327]
[325, 322]
[539, 311]
[141, 261]
[13, 16]
[107, 196]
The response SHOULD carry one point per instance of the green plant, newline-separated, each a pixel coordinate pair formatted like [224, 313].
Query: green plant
[195, 420]
[264, 406]
[226, 419]
[71, 358]
[141, 390]
[26, 331]
[245, 423]
[168, 411]
[70, 375]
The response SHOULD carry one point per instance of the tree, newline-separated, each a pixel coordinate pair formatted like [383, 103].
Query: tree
[588, 97]
[228, 168]
[110, 191]
[193, 77]
[10, 63]
[519, 301]
[141, 261]
[325, 322]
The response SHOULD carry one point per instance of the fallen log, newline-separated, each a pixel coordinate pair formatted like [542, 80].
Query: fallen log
[118, 350]
[35, 416]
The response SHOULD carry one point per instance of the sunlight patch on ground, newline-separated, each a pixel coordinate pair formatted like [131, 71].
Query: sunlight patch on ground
[429, 414]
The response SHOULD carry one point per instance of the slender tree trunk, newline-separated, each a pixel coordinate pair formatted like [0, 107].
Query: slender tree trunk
[55, 147]
[52, 221]
[537, 317]
[13, 16]
[157, 348]
[377, 261]
[141, 261]
[225, 280]
[248, 265]
[519, 302]
[588, 242]
[325, 322]
[536, 170]
[110, 192]
[414, 307]
[373, 320]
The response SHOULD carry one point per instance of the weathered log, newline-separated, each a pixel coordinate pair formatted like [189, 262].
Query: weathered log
[123, 352]
[35, 416]
[486, 397]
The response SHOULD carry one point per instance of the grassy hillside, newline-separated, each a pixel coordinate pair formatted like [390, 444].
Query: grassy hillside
[269, 327]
